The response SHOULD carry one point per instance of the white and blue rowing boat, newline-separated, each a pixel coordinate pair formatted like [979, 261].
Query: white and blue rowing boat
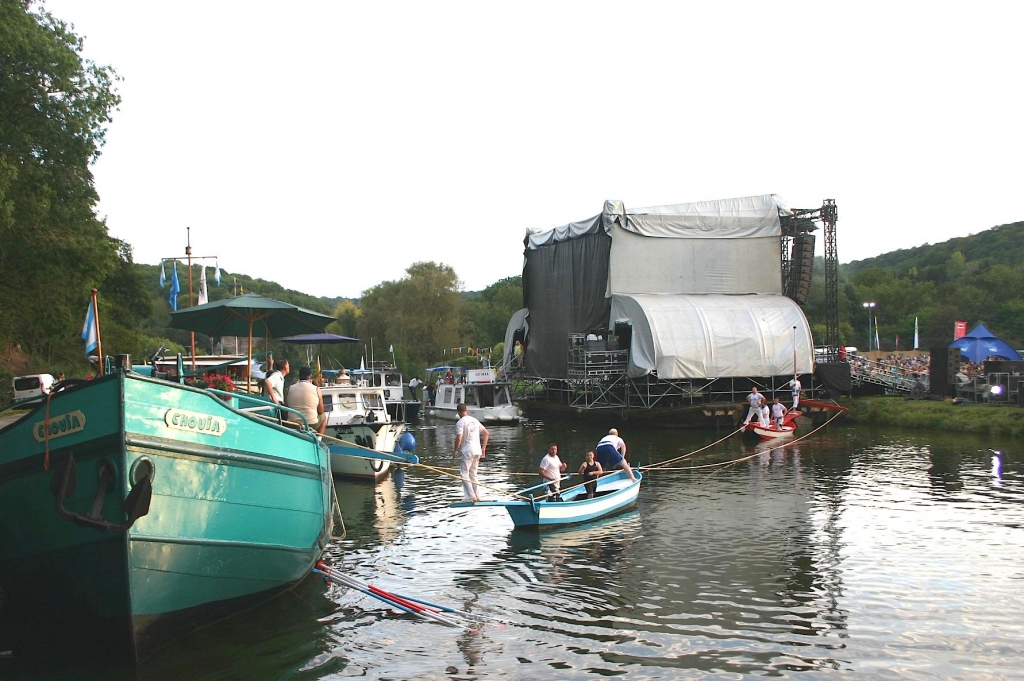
[615, 492]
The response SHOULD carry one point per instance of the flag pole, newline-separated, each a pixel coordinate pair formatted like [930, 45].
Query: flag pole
[794, 352]
[188, 254]
[99, 342]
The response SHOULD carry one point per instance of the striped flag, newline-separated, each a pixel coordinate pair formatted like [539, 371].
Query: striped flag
[163, 275]
[89, 329]
[877, 345]
[916, 344]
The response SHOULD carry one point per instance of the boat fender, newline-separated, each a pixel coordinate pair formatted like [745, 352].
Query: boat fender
[407, 442]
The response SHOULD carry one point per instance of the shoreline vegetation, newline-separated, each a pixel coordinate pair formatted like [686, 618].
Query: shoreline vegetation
[937, 415]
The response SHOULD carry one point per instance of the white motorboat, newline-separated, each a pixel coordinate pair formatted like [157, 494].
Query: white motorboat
[401, 406]
[358, 416]
[486, 398]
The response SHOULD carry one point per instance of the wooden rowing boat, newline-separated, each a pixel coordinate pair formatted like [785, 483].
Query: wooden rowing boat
[615, 492]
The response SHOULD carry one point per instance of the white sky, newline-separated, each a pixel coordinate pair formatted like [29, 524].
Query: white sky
[329, 145]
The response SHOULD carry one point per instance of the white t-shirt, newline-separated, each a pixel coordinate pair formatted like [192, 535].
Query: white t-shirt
[276, 382]
[778, 410]
[795, 385]
[469, 428]
[552, 465]
[754, 399]
[414, 383]
[614, 441]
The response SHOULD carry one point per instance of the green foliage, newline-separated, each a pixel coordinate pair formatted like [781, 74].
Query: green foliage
[488, 313]
[54, 110]
[937, 415]
[979, 278]
[419, 314]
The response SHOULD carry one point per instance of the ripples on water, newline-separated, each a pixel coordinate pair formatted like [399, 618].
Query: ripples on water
[876, 553]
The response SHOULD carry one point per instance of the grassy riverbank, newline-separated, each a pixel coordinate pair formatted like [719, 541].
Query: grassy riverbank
[937, 415]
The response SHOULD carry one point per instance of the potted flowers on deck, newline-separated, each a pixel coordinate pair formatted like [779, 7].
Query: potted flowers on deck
[221, 382]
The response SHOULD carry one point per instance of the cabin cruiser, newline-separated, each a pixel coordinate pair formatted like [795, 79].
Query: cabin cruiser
[399, 405]
[358, 416]
[486, 398]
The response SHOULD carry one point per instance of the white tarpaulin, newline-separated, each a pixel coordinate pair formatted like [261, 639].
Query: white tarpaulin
[730, 246]
[714, 336]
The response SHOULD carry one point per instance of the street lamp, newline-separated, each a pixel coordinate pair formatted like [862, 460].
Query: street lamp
[868, 307]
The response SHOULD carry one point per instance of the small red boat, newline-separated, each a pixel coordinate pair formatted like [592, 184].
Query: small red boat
[772, 432]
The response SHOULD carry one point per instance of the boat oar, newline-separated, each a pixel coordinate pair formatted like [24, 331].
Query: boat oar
[329, 571]
[406, 605]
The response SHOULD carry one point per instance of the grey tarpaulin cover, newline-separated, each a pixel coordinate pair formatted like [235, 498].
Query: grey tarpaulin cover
[701, 284]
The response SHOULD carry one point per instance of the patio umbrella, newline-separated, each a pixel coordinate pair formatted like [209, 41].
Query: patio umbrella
[311, 339]
[249, 315]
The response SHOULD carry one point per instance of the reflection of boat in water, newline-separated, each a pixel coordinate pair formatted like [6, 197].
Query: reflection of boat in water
[627, 524]
[358, 416]
[370, 509]
[615, 492]
[487, 400]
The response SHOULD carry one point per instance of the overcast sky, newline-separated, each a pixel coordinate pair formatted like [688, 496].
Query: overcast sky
[329, 145]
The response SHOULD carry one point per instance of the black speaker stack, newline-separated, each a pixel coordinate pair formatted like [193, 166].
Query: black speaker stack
[801, 268]
[942, 370]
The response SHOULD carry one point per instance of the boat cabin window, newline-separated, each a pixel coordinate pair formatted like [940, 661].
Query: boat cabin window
[373, 401]
[471, 397]
[391, 379]
[347, 402]
[446, 395]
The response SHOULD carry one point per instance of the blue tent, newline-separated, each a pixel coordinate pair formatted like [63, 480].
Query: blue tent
[981, 343]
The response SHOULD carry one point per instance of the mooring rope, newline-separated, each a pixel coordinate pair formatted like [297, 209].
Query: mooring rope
[696, 451]
[785, 443]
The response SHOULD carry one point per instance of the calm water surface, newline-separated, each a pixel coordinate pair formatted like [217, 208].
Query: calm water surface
[877, 554]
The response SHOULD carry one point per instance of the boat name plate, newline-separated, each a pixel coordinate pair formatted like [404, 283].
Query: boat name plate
[59, 425]
[195, 422]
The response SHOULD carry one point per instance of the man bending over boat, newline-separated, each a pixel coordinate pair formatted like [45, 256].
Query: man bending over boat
[551, 469]
[468, 433]
[611, 453]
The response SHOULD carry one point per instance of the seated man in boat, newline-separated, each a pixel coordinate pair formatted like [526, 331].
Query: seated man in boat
[778, 412]
[611, 453]
[305, 398]
[551, 469]
[591, 470]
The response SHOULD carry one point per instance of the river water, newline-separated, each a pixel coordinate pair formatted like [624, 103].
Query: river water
[879, 554]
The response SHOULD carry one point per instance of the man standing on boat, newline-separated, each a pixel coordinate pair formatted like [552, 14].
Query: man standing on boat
[611, 453]
[470, 441]
[754, 398]
[796, 387]
[551, 469]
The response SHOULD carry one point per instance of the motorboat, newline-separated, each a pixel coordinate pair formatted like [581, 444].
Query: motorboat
[357, 417]
[487, 399]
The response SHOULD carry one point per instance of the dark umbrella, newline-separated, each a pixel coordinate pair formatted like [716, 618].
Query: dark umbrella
[239, 316]
[311, 339]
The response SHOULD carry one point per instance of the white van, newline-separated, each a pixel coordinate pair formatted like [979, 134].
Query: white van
[24, 387]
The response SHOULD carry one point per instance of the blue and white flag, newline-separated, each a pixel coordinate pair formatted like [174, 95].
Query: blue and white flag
[89, 329]
[172, 297]
[203, 298]
[392, 349]
[915, 333]
[877, 345]
[163, 275]
[216, 274]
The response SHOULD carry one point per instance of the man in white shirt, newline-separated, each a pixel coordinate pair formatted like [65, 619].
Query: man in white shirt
[754, 398]
[468, 443]
[795, 387]
[273, 384]
[551, 469]
[778, 412]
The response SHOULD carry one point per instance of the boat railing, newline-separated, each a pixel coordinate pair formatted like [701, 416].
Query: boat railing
[259, 406]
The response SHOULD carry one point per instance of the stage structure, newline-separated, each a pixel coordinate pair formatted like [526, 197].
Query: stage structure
[678, 305]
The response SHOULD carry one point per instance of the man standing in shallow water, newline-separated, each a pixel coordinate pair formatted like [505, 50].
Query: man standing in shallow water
[468, 433]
